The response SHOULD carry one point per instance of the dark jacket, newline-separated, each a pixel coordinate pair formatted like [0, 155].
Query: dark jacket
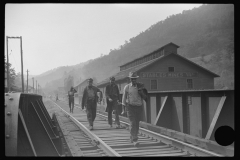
[142, 91]
[112, 92]
[85, 95]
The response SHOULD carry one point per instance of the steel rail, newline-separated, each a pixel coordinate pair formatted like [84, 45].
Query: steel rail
[109, 151]
[194, 150]
[167, 139]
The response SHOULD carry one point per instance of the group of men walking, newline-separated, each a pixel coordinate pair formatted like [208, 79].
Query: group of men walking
[132, 100]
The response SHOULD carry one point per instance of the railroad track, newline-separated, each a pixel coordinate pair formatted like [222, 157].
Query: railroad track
[105, 141]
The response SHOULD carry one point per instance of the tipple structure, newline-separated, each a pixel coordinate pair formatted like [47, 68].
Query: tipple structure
[176, 123]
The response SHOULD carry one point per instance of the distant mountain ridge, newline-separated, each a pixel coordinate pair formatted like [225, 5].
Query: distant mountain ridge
[57, 73]
[204, 34]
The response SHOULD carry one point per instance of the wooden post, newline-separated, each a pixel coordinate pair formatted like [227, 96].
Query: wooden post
[33, 84]
[36, 86]
[27, 81]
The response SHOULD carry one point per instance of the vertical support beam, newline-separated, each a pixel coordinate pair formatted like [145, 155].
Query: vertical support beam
[204, 109]
[153, 109]
[216, 115]
[185, 112]
[144, 113]
[159, 113]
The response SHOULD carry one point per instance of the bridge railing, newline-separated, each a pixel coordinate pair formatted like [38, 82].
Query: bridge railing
[28, 127]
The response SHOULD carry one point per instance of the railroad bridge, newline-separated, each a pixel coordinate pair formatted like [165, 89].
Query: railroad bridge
[176, 123]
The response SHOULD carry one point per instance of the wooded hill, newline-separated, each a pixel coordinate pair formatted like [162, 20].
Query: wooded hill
[205, 36]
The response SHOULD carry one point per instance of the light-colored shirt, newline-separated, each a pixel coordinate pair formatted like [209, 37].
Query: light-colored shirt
[130, 94]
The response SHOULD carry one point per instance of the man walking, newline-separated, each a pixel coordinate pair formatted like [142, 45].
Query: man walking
[71, 99]
[134, 94]
[89, 100]
[112, 97]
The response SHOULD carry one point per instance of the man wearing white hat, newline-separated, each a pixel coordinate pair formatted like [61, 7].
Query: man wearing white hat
[134, 94]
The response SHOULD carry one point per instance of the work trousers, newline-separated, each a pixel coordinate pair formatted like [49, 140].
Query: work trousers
[91, 107]
[71, 103]
[134, 114]
[113, 106]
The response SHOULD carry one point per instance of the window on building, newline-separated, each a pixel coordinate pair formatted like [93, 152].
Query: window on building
[154, 56]
[153, 84]
[119, 86]
[170, 69]
[189, 83]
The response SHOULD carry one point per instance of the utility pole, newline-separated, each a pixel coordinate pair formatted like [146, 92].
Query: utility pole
[8, 84]
[27, 81]
[36, 86]
[38, 89]
[33, 84]
[22, 65]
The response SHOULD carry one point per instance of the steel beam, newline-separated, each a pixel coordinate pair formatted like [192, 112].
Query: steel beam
[162, 106]
[11, 123]
[216, 115]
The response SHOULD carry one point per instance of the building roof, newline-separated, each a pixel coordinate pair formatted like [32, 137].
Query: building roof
[80, 83]
[150, 53]
[124, 74]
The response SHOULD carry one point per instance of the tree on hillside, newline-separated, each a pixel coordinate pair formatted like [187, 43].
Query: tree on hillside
[12, 73]
[223, 64]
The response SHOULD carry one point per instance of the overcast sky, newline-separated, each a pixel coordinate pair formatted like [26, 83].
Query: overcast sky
[55, 35]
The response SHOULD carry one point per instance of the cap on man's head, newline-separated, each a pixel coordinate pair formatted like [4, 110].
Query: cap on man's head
[90, 80]
[112, 78]
[133, 75]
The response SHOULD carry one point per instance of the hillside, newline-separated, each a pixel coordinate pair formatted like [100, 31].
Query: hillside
[200, 32]
[58, 74]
